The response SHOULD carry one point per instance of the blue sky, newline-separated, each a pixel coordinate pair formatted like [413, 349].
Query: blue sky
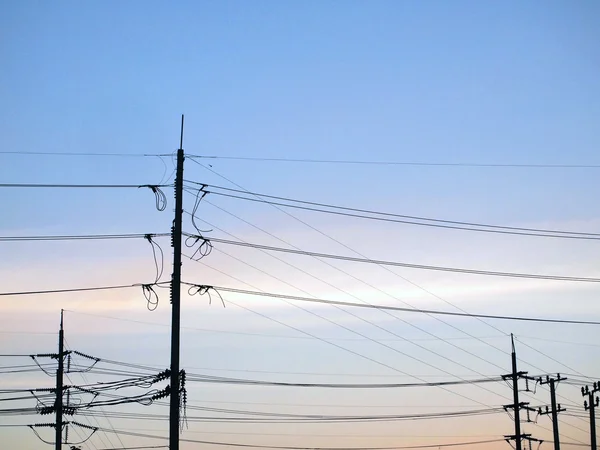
[432, 82]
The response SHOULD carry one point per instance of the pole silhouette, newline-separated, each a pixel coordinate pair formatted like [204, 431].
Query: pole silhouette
[59, 385]
[555, 409]
[176, 300]
[590, 405]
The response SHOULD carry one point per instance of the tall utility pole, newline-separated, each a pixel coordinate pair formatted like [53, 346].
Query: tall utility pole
[591, 404]
[176, 299]
[59, 385]
[514, 376]
[553, 382]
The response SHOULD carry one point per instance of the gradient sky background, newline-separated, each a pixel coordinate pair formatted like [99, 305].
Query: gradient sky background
[430, 82]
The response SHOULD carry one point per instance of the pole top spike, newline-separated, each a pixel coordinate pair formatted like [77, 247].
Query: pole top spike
[181, 135]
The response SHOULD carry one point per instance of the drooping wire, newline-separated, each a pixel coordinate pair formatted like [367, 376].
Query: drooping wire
[161, 198]
[203, 250]
[151, 297]
[198, 289]
[200, 194]
[159, 263]
[40, 366]
[32, 427]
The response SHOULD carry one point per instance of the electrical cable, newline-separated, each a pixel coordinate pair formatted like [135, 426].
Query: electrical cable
[443, 223]
[26, 153]
[397, 163]
[337, 345]
[362, 255]
[130, 433]
[101, 408]
[397, 308]
[406, 265]
[81, 237]
[58, 291]
[33, 185]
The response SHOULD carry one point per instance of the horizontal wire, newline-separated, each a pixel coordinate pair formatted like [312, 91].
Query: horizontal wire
[78, 154]
[406, 265]
[130, 433]
[498, 228]
[582, 236]
[81, 237]
[269, 335]
[397, 163]
[29, 185]
[396, 308]
[97, 288]
[212, 379]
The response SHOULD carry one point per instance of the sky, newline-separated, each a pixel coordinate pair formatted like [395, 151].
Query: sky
[451, 91]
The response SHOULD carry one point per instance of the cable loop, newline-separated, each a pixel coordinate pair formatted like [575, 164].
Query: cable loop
[199, 289]
[203, 250]
[160, 197]
[151, 297]
[159, 263]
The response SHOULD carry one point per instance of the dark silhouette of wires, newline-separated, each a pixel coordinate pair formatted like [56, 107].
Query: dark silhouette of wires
[205, 290]
[396, 218]
[84, 289]
[250, 382]
[398, 163]
[204, 248]
[77, 186]
[232, 444]
[160, 197]
[408, 265]
[397, 308]
[159, 262]
[81, 237]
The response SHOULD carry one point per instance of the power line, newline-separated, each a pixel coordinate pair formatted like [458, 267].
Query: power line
[127, 155]
[267, 335]
[398, 163]
[440, 223]
[387, 269]
[360, 355]
[30, 185]
[131, 433]
[250, 382]
[406, 265]
[81, 237]
[97, 288]
[397, 308]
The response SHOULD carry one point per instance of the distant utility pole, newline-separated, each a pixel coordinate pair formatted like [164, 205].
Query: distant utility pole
[59, 385]
[553, 382]
[176, 230]
[590, 405]
[517, 406]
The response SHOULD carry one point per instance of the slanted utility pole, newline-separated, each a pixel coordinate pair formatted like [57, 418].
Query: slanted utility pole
[591, 404]
[59, 385]
[554, 409]
[176, 299]
[514, 376]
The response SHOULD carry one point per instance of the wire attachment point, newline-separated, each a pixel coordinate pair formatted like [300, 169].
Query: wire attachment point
[199, 289]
